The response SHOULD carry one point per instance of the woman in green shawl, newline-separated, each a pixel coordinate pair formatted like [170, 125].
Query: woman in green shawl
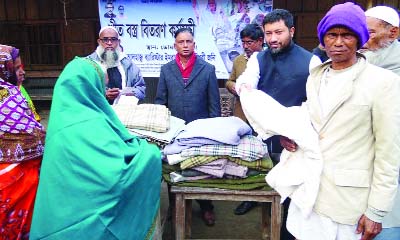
[97, 181]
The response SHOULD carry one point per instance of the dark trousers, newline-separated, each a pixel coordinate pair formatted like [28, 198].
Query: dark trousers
[205, 205]
[285, 234]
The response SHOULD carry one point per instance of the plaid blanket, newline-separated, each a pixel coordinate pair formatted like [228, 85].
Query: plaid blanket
[249, 183]
[250, 148]
[197, 161]
[262, 164]
[151, 117]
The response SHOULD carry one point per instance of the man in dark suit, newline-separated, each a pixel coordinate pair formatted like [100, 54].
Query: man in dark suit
[188, 87]
[109, 9]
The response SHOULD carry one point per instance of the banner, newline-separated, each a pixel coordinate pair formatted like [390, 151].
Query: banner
[147, 27]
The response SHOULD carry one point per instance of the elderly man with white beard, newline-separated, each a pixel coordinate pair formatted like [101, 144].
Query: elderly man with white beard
[382, 48]
[122, 72]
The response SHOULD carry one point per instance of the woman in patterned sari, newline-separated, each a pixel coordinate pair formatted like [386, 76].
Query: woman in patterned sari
[21, 150]
[19, 70]
[97, 181]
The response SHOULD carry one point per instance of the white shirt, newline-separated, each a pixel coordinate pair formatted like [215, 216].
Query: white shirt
[331, 87]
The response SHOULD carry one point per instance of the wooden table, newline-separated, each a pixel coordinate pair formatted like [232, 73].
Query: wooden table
[183, 207]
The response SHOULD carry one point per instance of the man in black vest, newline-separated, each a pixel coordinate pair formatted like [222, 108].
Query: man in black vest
[281, 71]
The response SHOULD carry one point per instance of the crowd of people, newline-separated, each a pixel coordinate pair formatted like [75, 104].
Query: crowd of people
[98, 181]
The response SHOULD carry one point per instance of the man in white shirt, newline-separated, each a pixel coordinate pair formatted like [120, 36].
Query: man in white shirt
[280, 71]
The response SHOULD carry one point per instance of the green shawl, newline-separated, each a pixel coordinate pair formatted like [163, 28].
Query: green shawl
[97, 181]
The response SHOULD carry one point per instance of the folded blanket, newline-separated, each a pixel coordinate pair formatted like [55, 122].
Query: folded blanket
[249, 183]
[215, 168]
[202, 131]
[217, 164]
[175, 158]
[150, 117]
[250, 148]
[197, 161]
[234, 169]
[191, 173]
[263, 164]
[176, 124]
[177, 177]
[217, 172]
[174, 148]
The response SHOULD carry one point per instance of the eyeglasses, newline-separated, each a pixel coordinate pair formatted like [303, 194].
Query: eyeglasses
[106, 40]
[248, 43]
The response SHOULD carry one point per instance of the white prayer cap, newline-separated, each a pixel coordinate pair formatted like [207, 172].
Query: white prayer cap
[384, 13]
[108, 27]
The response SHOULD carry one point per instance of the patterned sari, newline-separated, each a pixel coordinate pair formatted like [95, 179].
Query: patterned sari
[30, 102]
[21, 150]
[97, 181]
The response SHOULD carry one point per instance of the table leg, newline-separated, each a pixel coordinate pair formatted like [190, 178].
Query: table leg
[179, 217]
[265, 220]
[276, 218]
[188, 225]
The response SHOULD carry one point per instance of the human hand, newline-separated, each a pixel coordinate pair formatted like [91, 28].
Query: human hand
[368, 228]
[232, 89]
[288, 144]
[112, 93]
[245, 87]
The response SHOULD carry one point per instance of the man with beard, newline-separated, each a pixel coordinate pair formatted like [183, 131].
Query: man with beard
[122, 72]
[252, 38]
[354, 108]
[383, 50]
[281, 71]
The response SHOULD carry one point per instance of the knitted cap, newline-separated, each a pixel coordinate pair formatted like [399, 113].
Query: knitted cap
[346, 15]
[384, 13]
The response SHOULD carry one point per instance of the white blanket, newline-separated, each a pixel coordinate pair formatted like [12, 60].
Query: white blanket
[297, 175]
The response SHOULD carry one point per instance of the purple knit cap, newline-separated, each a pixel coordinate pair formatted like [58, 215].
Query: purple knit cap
[346, 15]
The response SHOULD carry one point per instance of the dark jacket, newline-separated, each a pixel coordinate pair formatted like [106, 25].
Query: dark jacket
[199, 98]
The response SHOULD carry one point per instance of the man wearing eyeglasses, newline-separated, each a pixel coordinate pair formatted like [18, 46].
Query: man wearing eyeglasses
[281, 71]
[122, 72]
[252, 37]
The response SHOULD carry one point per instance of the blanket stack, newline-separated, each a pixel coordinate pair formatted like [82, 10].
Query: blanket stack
[151, 121]
[217, 152]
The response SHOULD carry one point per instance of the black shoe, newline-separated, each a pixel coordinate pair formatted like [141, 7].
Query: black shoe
[244, 207]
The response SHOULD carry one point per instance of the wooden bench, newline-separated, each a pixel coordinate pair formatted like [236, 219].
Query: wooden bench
[183, 207]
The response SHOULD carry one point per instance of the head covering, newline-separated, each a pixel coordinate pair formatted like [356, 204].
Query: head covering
[7, 72]
[14, 53]
[76, 99]
[108, 173]
[384, 13]
[108, 27]
[346, 15]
